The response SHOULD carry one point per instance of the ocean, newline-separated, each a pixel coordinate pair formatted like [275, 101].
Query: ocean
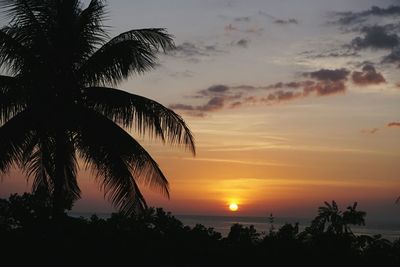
[222, 224]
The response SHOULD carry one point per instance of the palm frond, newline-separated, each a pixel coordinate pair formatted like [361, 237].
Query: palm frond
[38, 160]
[15, 135]
[118, 158]
[39, 164]
[90, 29]
[29, 18]
[12, 98]
[12, 53]
[155, 38]
[116, 61]
[130, 52]
[146, 115]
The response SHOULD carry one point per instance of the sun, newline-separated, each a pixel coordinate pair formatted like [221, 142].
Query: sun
[233, 207]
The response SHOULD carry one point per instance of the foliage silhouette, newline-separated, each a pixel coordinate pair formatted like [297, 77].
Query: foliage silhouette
[332, 220]
[156, 238]
[57, 104]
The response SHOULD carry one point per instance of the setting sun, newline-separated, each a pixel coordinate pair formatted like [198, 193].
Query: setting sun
[233, 207]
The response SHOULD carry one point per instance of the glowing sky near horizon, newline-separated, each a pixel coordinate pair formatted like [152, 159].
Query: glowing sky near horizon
[274, 133]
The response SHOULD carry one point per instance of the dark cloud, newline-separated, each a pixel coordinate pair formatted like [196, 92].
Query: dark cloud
[294, 85]
[324, 82]
[242, 43]
[373, 34]
[218, 88]
[392, 57]
[214, 90]
[376, 37]
[325, 88]
[213, 104]
[370, 131]
[286, 22]
[394, 124]
[346, 18]
[368, 76]
[328, 75]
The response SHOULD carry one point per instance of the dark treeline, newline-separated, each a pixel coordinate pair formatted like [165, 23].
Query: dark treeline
[29, 237]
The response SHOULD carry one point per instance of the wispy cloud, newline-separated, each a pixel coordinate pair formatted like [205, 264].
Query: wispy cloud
[276, 20]
[194, 52]
[370, 131]
[341, 52]
[286, 21]
[255, 29]
[244, 162]
[394, 124]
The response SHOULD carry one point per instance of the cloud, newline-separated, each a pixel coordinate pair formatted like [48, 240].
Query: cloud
[230, 28]
[190, 49]
[276, 20]
[242, 43]
[331, 53]
[286, 22]
[325, 88]
[394, 124]
[193, 52]
[324, 82]
[376, 37]
[378, 29]
[346, 18]
[393, 56]
[368, 76]
[252, 29]
[329, 75]
[214, 104]
[243, 19]
[370, 131]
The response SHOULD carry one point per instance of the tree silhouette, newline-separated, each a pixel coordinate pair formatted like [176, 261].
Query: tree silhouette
[332, 220]
[58, 106]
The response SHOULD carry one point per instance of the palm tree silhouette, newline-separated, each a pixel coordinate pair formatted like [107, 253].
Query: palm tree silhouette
[58, 105]
[332, 220]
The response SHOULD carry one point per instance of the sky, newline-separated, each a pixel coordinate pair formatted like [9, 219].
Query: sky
[291, 102]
